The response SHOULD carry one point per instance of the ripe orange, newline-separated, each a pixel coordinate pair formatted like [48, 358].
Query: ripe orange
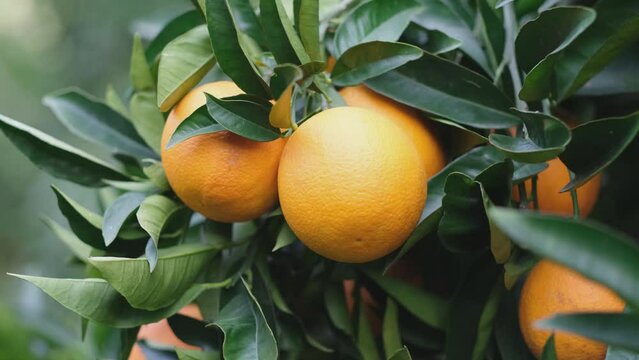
[551, 289]
[351, 184]
[223, 176]
[407, 118]
[551, 180]
[160, 333]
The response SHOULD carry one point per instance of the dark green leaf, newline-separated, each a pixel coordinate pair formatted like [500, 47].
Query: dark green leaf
[402, 354]
[174, 28]
[365, 338]
[540, 43]
[284, 76]
[546, 137]
[183, 63]
[447, 90]
[507, 333]
[176, 270]
[284, 238]
[549, 352]
[616, 27]
[96, 300]
[390, 333]
[147, 118]
[245, 118]
[81, 250]
[602, 150]
[427, 307]
[93, 120]
[618, 77]
[118, 213]
[485, 330]
[246, 332]
[309, 28]
[525, 171]
[230, 55]
[246, 20]
[191, 354]
[198, 123]
[283, 41]
[58, 158]
[613, 329]
[193, 331]
[367, 60]
[492, 31]
[140, 72]
[597, 252]
[336, 307]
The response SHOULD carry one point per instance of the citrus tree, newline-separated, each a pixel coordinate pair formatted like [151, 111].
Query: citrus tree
[355, 180]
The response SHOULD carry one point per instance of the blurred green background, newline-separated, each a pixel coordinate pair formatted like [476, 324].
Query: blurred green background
[46, 45]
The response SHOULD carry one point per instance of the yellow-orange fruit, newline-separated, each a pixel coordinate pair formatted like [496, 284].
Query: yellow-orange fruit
[160, 333]
[408, 119]
[223, 176]
[551, 180]
[351, 184]
[552, 289]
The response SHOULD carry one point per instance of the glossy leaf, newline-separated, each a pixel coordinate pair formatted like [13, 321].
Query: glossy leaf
[620, 76]
[247, 21]
[118, 213]
[549, 352]
[540, 42]
[367, 60]
[140, 72]
[283, 41]
[365, 338]
[231, 57]
[309, 28]
[183, 63]
[95, 121]
[147, 118]
[374, 21]
[57, 158]
[601, 150]
[427, 307]
[390, 333]
[174, 28]
[199, 122]
[615, 28]
[176, 270]
[245, 118]
[447, 90]
[246, 332]
[493, 33]
[599, 253]
[96, 300]
[81, 250]
[546, 137]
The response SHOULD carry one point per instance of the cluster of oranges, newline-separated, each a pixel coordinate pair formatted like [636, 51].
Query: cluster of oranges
[351, 182]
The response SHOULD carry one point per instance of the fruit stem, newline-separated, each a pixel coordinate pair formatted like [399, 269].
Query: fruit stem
[534, 193]
[575, 203]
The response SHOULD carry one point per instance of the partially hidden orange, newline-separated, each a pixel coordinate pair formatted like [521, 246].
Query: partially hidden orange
[552, 289]
[221, 175]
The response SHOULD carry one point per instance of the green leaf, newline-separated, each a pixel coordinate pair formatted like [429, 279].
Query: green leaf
[147, 118]
[230, 55]
[183, 63]
[507, 333]
[242, 117]
[365, 339]
[367, 60]
[284, 76]
[118, 213]
[81, 250]
[246, 332]
[155, 172]
[540, 43]
[114, 101]
[447, 90]
[174, 28]
[58, 158]
[309, 28]
[439, 15]
[485, 328]
[599, 253]
[283, 41]
[602, 150]
[492, 31]
[618, 77]
[549, 352]
[246, 20]
[95, 121]
[284, 238]
[191, 354]
[425, 306]
[282, 85]
[546, 137]
[336, 307]
[616, 27]
[176, 270]
[615, 353]
[96, 300]
[390, 332]
[193, 331]
[613, 329]
[401, 354]
[199, 122]
[140, 73]
[154, 214]
[374, 20]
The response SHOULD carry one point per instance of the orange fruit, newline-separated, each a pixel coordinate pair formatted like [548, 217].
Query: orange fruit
[351, 184]
[160, 333]
[553, 289]
[551, 180]
[408, 119]
[223, 176]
